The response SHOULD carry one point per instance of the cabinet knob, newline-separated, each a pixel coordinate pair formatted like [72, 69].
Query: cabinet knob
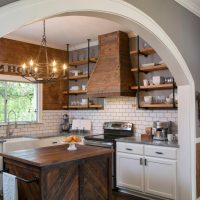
[158, 152]
[141, 161]
[145, 162]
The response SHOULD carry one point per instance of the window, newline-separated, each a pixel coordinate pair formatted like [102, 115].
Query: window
[20, 97]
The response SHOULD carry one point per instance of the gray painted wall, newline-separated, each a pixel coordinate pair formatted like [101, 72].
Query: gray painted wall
[4, 2]
[182, 26]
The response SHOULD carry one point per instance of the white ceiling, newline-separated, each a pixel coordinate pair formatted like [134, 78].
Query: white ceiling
[60, 31]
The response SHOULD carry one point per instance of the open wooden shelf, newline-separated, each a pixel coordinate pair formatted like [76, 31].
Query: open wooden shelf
[75, 92]
[156, 105]
[97, 106]
[83, 62]
[154, 87]
[145, 52]
[84, 76]
[150, 68]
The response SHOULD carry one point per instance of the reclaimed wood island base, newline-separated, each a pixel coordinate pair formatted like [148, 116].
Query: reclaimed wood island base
[84, 174]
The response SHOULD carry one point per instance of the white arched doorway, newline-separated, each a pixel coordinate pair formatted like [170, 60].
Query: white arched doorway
[24, 12]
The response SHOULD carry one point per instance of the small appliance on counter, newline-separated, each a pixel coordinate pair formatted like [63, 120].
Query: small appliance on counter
[65, 126]
[161, 130]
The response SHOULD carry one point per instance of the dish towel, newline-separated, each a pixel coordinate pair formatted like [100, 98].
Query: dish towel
[10, 190]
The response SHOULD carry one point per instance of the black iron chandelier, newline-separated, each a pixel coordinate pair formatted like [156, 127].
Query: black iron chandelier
[41, 70]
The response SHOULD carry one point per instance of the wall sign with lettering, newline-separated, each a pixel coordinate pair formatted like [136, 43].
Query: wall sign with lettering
[10, 69]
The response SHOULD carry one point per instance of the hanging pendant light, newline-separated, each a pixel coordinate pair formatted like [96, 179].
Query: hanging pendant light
[41, 70]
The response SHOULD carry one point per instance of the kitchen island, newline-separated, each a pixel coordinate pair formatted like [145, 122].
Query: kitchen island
[54, 173]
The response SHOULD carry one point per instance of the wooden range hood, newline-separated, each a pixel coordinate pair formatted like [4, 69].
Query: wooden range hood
[112, 75]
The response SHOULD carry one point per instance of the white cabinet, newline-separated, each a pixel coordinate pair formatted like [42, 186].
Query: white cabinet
[130, 171]
[160, 152]
[52, 141]
[153, 172]
[160, 177]
[130, 148]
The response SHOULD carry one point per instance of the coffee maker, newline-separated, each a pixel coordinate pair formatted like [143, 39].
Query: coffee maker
[161, 130]
[65, 126]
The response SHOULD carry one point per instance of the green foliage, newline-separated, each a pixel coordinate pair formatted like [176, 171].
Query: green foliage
[20, 97]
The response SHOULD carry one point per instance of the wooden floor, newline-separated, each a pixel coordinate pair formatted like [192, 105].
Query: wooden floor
[122, 196]
[117, 196]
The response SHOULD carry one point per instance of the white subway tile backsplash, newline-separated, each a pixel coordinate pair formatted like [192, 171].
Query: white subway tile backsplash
[115, 109]
[51, 121]
[120, 108]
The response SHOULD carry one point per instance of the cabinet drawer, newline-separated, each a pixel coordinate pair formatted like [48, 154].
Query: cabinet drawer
[161, 152]
[130, 148]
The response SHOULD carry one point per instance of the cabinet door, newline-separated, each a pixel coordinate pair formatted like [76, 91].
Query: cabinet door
[52, 141]
[96, 178]
[53, 98]
[130, 172]
[160, 177]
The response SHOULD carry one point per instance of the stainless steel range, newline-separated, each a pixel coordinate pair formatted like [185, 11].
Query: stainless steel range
[112, 131]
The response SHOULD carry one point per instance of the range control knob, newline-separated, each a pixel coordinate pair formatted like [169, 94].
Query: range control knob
[125, 126]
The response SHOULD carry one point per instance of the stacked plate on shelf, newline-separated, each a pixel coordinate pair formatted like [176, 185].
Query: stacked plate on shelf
[74, 88]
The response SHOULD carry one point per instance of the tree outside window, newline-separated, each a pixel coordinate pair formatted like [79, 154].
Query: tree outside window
[20, 97]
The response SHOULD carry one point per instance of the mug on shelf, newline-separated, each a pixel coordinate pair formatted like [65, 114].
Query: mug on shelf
[84, 101]
[83, 87]
[170, 137]
[145, 82]
[150, 82]
[148, 99]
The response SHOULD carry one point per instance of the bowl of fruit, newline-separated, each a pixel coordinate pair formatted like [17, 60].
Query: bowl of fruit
[72, 140]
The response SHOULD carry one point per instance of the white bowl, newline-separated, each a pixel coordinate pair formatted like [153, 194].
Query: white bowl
[148, 99]
[84, 101]
[147, 64]
[169, 100]
[157, 80]
[75, 88]
[76, 72]
[175, 96]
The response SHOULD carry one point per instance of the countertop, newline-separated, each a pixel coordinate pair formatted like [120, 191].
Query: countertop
[39, 136]
[47, 156]
[137, 140]
[60, 135]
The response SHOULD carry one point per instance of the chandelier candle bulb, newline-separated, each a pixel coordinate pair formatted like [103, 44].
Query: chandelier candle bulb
[23, 69]
[54, 63]
[31, 63]
[31, 66]
[36, 69]
[54, 70]
[64, 69]
[64, 66]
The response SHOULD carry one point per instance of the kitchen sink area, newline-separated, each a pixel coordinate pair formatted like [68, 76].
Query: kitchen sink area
[13, 144]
